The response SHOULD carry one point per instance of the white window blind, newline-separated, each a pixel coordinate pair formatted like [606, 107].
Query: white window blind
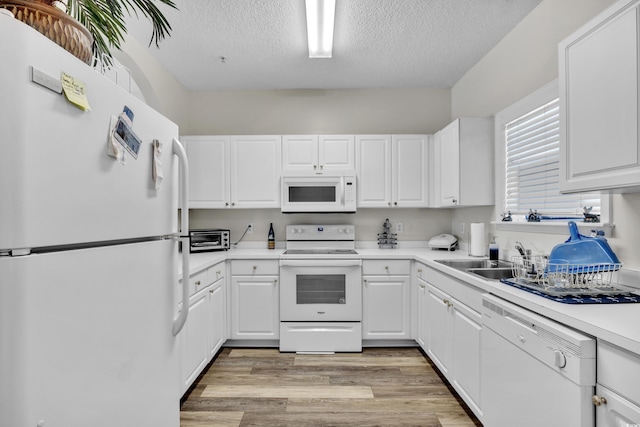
[532, 168]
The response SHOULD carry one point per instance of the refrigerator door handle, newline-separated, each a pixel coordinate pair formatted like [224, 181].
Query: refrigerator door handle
[183, 180]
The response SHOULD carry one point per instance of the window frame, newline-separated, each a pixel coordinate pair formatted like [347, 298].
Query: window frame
[530, 102]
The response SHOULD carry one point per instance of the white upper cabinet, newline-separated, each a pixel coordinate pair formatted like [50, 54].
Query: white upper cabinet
[598, 79]
[318, 153]
[255, 171]
[410, 170]
[392, 170]
[234, 171]
[373, 166]
[208, 171]
[463, 153]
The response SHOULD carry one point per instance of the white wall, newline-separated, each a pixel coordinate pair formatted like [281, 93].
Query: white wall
[233, 112]
[161, 90]
[419, 224]
[525, 60]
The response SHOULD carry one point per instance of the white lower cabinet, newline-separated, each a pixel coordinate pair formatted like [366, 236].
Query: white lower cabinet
[194, 339]
[421, 306]
[617, 397]
[452, 337]
[218, 303]
[205, 329]
[255, 300]
[613, 410]
[386, 299]
[438, 328]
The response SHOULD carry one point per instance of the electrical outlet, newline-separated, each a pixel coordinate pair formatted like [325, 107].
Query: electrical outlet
[399, 227]
[462, 228]
[250, 228]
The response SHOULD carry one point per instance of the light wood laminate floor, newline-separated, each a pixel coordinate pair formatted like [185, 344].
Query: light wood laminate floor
[378, 387]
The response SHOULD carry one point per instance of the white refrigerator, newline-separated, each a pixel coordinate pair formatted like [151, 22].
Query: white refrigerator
[89, 293]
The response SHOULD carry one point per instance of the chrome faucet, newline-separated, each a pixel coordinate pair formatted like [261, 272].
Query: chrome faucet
[526, 258]
[521, 249]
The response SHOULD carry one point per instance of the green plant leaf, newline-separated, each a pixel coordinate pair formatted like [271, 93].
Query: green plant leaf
[105, 20]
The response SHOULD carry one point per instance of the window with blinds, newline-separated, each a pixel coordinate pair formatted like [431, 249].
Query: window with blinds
[532, 168]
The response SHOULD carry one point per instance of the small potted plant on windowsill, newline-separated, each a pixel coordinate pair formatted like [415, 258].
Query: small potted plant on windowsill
[89, 29]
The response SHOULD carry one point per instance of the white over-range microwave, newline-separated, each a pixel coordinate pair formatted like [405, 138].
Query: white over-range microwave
[331, 192]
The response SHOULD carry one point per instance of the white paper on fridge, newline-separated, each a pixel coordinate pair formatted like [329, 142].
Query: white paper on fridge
[126, 137]
[156, 166]
[114, 148]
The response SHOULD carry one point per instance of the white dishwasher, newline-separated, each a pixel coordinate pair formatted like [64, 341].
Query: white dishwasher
[534, 371]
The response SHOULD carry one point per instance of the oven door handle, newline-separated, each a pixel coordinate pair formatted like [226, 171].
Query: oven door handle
[320, 263]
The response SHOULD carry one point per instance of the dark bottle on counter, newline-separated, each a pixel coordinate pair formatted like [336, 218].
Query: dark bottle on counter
[271, 238]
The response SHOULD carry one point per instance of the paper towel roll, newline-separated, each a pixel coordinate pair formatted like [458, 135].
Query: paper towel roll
[477, 245]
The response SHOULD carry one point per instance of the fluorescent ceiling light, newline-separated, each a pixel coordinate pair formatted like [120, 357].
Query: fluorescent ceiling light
[320, 17]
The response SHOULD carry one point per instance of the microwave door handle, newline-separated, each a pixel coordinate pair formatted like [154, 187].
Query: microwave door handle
[342, 190]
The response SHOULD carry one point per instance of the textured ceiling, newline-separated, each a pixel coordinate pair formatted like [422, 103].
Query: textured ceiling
[377, 43]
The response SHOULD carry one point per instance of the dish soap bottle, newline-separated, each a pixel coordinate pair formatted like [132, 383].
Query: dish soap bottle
[494, 254]
[271, 238]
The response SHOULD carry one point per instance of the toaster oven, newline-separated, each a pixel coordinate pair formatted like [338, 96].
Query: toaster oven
[215, 239]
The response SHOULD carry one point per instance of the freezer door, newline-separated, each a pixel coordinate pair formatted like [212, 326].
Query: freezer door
[57, 183]
[86, 338]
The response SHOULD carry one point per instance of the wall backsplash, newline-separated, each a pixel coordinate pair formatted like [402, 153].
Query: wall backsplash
[419, 224]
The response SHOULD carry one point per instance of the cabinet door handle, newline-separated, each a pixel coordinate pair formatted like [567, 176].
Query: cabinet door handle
[255, 267]
[198, 283]
[315, 167]
[419, 270]
[226, 203]
[598, 400]
[211, 291]
[386, 267]
[389, 203]
[233, 203]
[395, 203]
[218, 273]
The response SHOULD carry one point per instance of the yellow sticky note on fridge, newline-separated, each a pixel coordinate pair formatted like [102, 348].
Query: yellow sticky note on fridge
[75, 91]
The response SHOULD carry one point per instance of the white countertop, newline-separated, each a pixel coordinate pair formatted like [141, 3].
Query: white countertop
[614, 323]
[618, 324]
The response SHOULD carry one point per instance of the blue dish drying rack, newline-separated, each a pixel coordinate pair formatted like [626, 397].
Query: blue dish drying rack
[565, 279]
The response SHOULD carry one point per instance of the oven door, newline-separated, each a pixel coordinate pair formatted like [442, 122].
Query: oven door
[320, 290]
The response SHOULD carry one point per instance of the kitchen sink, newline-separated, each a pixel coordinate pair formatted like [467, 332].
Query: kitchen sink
[465, 264]
[492, 273]
[495, 270]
